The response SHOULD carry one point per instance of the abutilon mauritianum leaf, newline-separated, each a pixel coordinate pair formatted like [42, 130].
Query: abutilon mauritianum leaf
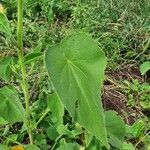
[76, 67]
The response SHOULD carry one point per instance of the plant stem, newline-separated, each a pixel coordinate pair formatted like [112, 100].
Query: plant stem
[24, 83]
[42, 117]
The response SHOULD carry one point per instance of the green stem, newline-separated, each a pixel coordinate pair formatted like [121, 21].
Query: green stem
[24, 84]
[43, 116]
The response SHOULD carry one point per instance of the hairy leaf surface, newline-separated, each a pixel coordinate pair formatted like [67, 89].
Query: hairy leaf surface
[76, 68]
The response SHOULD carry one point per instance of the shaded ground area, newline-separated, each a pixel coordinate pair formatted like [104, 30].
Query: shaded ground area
[114, 97]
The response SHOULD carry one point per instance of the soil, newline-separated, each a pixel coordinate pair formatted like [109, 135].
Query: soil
[114, 97]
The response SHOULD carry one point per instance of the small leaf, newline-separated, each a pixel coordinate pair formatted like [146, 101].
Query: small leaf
[88, 138]
[5, 69]
[115, 128]
[76, 68]
[1, 8]
[4, 24]
[3, 147]
[3, 121]
[31, 57]
[56, 107]
[137, 128]
[32, 147]
[11, 108]
[62, 129]
[38, 48]
[68, 146]
[94, 145]
[128, 146]
[52, 132]
[145, 67]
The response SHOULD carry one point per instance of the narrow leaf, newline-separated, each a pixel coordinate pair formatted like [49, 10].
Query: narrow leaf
[31, 57]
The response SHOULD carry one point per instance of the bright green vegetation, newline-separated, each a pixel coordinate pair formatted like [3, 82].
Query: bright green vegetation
[74, 75]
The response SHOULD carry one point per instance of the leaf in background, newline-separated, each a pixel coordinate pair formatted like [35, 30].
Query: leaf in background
[56, 107]
[145, 67]
[76, 67]
[4, 24]
[94, 145]
[5, 69]
[38, 48]
[36, 54]
[31, 57]
[88, 138]
[3, 121]
[136, 129]
[52, 132]
[31, 147]
[128, 146]
[68, 146]
[3, 147]
[62, 130]
[115, 128]
[11, 108]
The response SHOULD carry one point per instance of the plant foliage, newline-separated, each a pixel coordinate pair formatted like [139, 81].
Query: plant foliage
[76, 67]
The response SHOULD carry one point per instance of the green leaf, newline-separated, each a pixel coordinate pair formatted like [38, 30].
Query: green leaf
[56, 107]
[4, 24]
[62, 129]
[38, 48]
[52, 132]
[115, 128]
[11, 108]
[31, 57]
[5, 69]
[68, 146]
[145, 67]
[94, 145]
[3, 121]
[136, 129]
[128, 146]
[3, 147]
[88, 138]
[32, 147]
[36, 54]
[76, 67]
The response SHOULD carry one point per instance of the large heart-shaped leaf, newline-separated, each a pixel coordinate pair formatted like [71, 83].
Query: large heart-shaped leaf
[76, 68]
[11, 108]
